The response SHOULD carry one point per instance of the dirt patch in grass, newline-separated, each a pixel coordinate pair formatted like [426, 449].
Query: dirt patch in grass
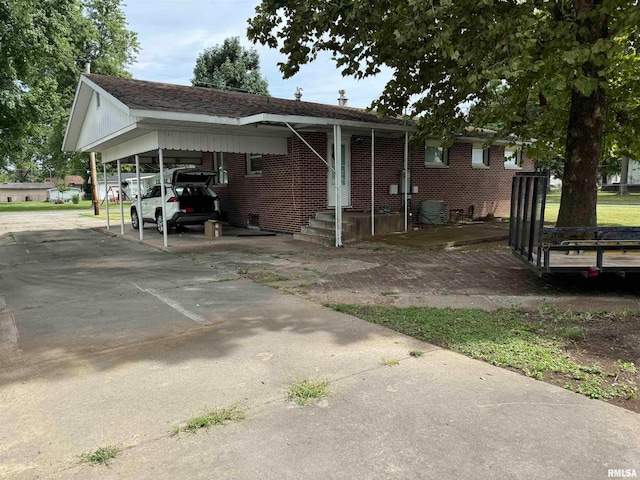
[613, 342]
[591, 353]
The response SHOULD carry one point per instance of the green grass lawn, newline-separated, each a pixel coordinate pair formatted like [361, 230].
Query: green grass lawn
[608, 215]
[603, 197]
[538, 344]
[6, 207]
[114, 212]
[85, 207]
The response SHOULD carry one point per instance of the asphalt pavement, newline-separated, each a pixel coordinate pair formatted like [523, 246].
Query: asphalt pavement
[108, 342]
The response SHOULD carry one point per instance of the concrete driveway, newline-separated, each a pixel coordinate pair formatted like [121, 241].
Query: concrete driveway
[108, 342]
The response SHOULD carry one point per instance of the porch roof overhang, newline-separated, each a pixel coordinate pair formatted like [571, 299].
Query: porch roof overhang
[119, 118]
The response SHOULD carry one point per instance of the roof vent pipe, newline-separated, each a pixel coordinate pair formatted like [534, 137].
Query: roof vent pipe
[87, 67]
[298, 93]
[342, 101]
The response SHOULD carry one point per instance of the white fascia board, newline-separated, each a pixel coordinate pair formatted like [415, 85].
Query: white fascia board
[322, 121]
[246, 130]
[261, 118]
[185, 117]
[81, 101]
[97, 146]
[500, 141]
[74, 106]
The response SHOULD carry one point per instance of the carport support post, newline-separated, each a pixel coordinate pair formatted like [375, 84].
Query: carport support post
[106, 193]
[139, 199]
[120, 197]
[163, 194]
[337, 149]
[373, 179]
[406, 181]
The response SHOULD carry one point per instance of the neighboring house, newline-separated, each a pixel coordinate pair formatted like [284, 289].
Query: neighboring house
[53, 194]
[130, 186]
[270, 155]
[71, 180]
[75, 184]
[24, 192]
[130, 182]
[633, 179]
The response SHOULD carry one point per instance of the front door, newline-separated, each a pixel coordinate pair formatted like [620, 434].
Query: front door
[345, 175]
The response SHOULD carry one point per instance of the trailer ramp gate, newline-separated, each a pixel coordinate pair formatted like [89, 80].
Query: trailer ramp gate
[586, 250]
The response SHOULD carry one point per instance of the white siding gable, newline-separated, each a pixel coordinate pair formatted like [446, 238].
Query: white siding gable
[102, 121]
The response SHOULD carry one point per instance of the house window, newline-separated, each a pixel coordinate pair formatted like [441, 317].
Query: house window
[480, 157]
[254, 164]
[435, 155]
[512, 158]
[220, 167]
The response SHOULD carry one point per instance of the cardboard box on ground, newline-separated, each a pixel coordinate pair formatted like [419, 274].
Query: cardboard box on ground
[212, 228]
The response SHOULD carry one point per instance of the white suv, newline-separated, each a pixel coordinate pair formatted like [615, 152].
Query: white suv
[188, 201]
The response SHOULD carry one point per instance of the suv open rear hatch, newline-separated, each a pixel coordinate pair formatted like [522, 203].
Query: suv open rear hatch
[189, 176]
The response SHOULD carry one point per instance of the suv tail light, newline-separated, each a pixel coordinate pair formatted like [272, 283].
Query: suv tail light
[173, 199]
[188, 210]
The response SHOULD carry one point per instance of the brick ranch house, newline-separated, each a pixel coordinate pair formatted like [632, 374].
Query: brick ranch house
[272, 156]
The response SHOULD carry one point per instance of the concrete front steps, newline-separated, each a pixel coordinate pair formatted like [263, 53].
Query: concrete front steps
[322, 230]
[355, 226]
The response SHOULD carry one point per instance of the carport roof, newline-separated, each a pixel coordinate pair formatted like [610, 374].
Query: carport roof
[122, 117]
[145, 95]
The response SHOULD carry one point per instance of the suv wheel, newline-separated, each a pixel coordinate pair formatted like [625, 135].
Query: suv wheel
[135, 222]
[159, 223]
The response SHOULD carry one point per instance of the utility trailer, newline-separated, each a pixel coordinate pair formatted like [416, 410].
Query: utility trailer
[586, 250]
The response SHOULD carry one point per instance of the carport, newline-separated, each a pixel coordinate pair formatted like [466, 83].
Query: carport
[137, 122]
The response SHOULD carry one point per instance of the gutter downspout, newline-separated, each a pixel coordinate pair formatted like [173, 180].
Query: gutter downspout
[406, 181]
[139, 200]
[120, 197]
[337, 148]
[373, 175]
[163, 194]
[106, 193]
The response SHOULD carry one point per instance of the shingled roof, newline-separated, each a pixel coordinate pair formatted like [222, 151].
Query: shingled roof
[25, 186]
[154, 96]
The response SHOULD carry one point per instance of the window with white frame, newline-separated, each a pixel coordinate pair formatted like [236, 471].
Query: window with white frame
[220, 167]
[254, 164]
[480, 156]
[512, 157]
[435, 155]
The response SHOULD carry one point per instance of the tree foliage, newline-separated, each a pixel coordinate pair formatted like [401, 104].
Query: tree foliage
[230, 67]
[564, 72]
[43, 49]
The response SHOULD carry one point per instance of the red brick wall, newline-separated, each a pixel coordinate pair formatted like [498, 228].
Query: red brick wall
[293, 187]
[459, 186]
[462, 185]
[290, 190]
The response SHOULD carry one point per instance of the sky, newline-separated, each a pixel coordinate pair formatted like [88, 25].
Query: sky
[172, 33]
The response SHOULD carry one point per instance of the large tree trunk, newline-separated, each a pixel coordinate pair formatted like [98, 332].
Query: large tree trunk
[585, 129]
[584, 137]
